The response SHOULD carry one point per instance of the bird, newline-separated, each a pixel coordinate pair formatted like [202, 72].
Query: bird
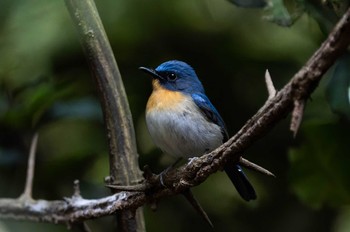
[183, 122]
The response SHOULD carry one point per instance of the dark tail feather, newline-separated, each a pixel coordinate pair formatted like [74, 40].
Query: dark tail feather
[241, 182]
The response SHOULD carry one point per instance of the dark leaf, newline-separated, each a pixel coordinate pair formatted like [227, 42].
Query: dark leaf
[249, 3]
[338, 88]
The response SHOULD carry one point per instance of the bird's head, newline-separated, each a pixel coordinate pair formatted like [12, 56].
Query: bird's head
[176, 76]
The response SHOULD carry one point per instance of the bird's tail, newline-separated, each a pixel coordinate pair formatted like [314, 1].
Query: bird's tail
[241, 182]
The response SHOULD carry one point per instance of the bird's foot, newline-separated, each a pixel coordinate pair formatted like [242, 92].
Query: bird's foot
[190, 160]
[163, 173]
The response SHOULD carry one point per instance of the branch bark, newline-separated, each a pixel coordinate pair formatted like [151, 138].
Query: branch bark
[275, 109]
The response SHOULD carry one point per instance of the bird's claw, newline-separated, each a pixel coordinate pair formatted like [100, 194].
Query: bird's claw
[190, 160]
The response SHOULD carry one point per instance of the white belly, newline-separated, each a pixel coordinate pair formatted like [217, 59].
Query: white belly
[184, 132]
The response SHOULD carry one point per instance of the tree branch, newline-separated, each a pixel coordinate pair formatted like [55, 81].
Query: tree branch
[299, 88]
[123, 157]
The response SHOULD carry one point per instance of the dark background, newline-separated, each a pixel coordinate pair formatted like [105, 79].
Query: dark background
[46, 86]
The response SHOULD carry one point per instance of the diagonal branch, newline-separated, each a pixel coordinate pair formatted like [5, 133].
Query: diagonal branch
[299, 88]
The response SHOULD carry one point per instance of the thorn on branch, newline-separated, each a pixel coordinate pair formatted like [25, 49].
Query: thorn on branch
[75, 197]
[195, 204]
[76, 188]
[297, 116]
[28, 189]
[252, 166]
[269, 84]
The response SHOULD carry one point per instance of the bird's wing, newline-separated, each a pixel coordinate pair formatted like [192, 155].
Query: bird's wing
[235, 173]
[210, 112]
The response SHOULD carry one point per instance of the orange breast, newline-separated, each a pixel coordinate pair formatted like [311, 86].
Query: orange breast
[163, 99]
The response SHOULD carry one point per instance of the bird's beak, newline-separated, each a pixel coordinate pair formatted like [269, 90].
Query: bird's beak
[150, 71]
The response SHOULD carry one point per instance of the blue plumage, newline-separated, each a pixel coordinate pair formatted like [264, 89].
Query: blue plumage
[210, 112]
[184, 123]
[188, 81]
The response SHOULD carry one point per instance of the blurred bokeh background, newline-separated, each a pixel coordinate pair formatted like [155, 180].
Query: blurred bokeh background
[46, 86]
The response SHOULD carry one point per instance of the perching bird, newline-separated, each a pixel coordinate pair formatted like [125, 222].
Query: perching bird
[182, 121]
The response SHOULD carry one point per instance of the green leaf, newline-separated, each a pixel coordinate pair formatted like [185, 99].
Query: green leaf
[278, 13]
[320, 171]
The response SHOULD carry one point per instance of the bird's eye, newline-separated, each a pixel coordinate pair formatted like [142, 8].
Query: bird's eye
[171, 76]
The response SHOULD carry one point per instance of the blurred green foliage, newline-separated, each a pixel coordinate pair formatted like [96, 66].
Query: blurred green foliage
[319, 173]
[45, 86]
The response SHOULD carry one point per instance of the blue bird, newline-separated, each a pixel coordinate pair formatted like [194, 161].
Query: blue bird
[184, 123]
